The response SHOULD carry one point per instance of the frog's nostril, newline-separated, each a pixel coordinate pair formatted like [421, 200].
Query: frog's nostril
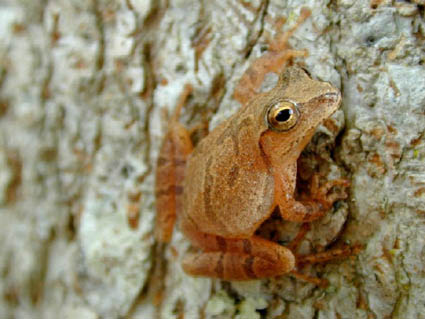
[333, 96]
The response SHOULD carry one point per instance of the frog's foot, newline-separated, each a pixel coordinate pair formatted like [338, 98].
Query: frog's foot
[323, 283]
[238, 259]
[323, 257]
[328, 193]
[314, 205]
[328, 255]
[301, 211]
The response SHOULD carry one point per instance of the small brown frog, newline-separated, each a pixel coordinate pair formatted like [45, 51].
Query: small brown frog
[225, 188]
[237, 175]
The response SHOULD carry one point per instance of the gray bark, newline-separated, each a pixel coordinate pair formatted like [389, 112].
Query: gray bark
[82, 89]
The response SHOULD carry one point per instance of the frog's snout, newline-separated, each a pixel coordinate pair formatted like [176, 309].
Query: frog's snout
[333, 97]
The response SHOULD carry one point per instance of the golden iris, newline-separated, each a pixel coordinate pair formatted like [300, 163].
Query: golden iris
[282, 116]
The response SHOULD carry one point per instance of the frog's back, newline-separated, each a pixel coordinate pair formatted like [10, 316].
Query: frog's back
[228, 189]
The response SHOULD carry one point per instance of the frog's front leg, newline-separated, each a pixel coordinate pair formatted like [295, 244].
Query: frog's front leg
[312, 206]
[237, 259]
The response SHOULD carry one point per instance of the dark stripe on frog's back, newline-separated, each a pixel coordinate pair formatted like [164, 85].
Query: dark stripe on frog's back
[233, 175]
[232, 130]
[208, 183]
[201, 164]
[204, 158]
[235, 179]
[229, 129]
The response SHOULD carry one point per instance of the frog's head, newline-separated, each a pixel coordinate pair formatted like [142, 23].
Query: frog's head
[292, 111]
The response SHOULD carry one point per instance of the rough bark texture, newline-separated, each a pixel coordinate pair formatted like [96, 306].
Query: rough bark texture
[82, 86]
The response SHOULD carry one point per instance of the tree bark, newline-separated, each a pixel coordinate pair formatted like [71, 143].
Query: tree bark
[83, 89]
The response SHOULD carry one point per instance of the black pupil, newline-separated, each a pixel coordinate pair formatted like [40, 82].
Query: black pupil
[284, 115]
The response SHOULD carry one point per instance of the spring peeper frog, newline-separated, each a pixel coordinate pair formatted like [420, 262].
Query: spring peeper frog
[234, 179]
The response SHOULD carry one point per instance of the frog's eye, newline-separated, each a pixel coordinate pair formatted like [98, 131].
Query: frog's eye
[282, 116]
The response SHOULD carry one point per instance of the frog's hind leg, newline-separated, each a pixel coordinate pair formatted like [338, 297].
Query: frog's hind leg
[281, 41]
[237, 259]
[171, 163]
[274, 61]
[302, 232]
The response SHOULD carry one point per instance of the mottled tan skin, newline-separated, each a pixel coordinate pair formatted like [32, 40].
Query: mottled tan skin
[238, 175]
